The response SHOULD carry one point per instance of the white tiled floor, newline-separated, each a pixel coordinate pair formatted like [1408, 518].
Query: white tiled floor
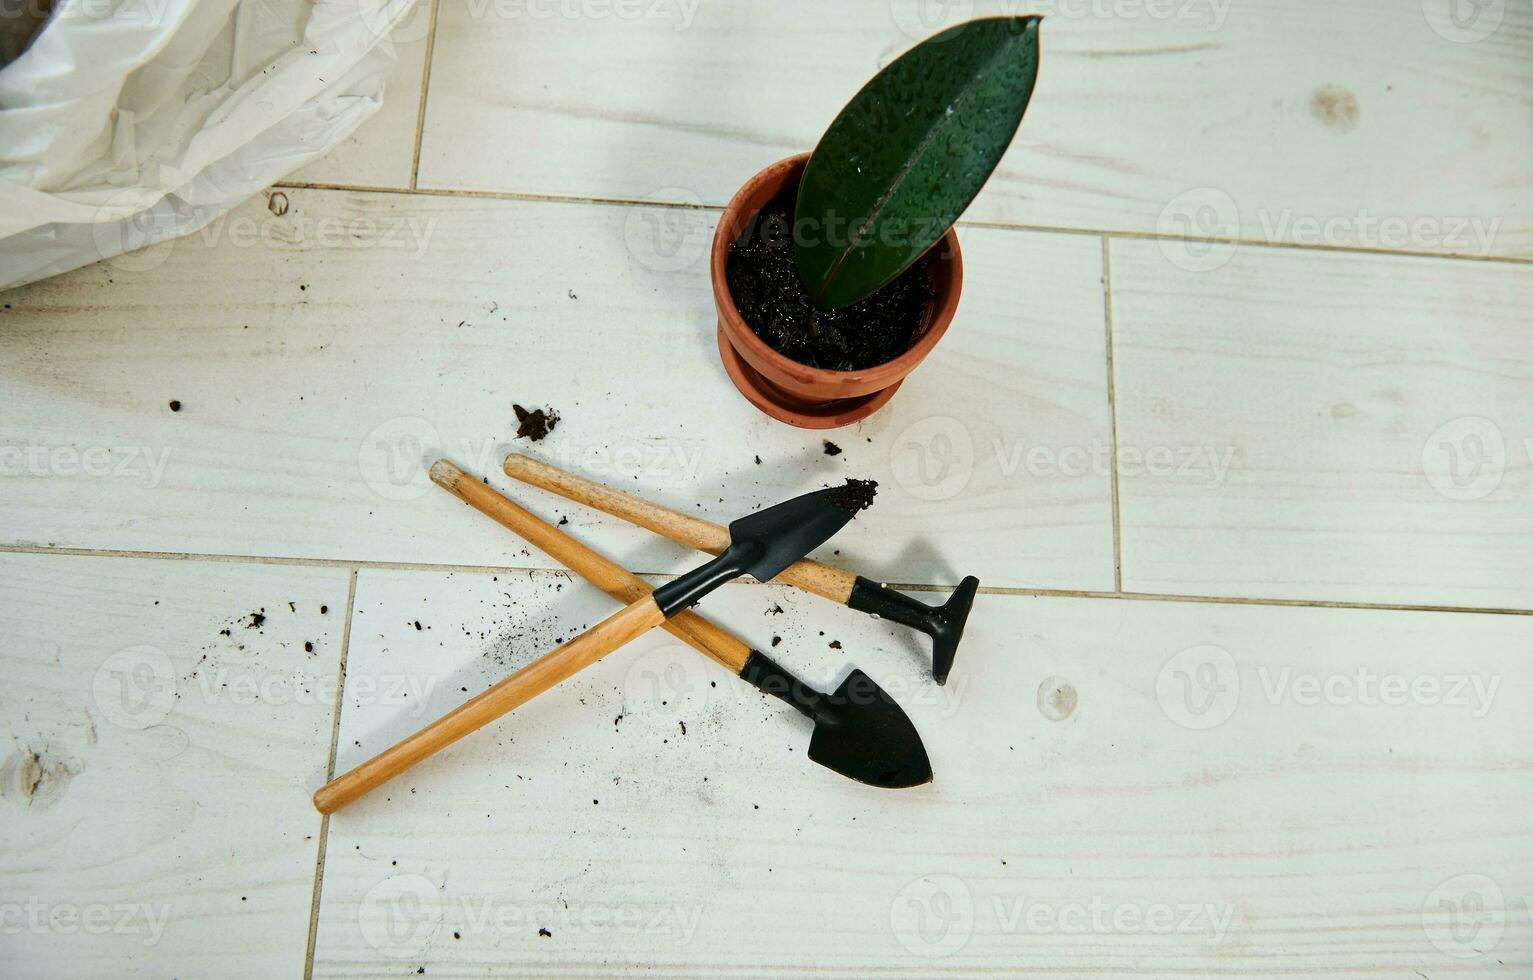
[1163, 750]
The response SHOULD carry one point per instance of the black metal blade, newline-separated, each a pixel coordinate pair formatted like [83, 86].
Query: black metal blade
[770, 540]
[859, 731]
[788, 531]
[862, 733]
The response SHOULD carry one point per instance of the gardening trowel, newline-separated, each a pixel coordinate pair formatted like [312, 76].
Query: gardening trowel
[943, 623]
[859, 731]
[762, 544]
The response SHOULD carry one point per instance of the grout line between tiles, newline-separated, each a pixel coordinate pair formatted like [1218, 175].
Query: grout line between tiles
[1112, 420]
[998, 225]
[335, 734]
[354, 564]
[420, 112]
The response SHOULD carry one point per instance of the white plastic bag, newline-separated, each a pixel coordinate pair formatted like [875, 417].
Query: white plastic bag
[127, 122]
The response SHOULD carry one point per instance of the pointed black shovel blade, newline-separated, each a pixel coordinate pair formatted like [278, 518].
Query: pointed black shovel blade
[859, 731]
[782, 534]
[770, 540]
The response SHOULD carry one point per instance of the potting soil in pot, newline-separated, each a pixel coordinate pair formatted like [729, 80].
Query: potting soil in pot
[764, 281]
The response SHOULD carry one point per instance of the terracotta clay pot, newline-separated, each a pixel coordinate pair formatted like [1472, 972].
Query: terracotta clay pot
[810, 397]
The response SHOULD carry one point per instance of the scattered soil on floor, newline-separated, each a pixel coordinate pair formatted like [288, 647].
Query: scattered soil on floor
[763, 278]
[534, 424]
[831, 449]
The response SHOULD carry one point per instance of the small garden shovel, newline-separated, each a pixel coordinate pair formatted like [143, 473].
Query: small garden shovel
[859, 730]
[761, 545]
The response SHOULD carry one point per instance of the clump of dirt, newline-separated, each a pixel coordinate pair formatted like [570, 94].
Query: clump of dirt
[854, 496]
[831, 449]
[763, 279]
[535, 424]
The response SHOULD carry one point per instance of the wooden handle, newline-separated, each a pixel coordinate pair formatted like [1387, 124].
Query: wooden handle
[532, 680]
[694, 532]
[607, 575]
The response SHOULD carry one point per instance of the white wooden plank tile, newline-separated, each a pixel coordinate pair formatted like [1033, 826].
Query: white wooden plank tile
[1375, 124]
[381, 151]
[322, 357]
[155, 774]
[1122, 787]
[1376, 413]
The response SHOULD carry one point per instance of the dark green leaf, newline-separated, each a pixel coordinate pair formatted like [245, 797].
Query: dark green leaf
[908, 154]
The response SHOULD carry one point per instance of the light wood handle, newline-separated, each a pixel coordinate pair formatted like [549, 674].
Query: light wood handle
[694, 532]
[702, 634]
[532, 680]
